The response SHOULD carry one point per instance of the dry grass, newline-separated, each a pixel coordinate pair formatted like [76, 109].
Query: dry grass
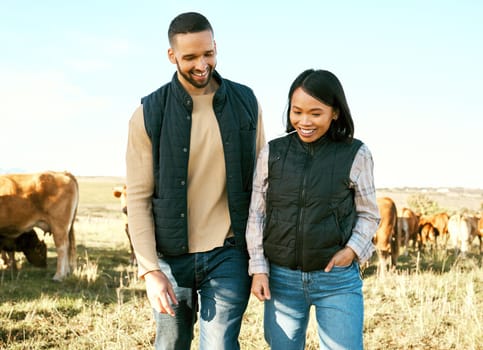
[426, 309]
[431, 302]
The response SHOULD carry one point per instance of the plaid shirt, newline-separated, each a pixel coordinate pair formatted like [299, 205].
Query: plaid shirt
[367, 220]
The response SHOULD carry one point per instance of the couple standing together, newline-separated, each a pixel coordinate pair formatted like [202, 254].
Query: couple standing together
[215, 213]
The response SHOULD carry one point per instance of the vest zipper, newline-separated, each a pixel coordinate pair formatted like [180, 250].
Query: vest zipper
[299, 238]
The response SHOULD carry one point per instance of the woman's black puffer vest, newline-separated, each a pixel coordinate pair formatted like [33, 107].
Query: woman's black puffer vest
[310, 204]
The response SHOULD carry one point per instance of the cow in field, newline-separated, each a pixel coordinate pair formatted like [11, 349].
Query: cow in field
[440, 222]
[28, 243]
[386, 238]
[46, 200]
[427, 236]
[120, 192]
[407, 225]
[461, 229]
[475, 229]
[479, 232]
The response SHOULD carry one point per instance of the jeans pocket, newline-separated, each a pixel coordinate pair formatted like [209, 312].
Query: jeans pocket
[343, 266]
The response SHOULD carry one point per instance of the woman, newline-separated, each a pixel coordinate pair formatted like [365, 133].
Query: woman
[312, 218]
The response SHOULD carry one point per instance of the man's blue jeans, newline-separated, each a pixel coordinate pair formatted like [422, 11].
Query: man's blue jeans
[336, 296]
[219, 280]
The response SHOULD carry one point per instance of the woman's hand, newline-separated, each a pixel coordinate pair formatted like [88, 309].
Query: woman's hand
[260, 287]
[343, 257]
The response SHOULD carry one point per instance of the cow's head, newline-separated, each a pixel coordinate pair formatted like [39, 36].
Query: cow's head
[120, 192]
[35, 250]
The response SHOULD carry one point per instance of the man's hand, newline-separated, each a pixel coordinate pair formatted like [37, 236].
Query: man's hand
[160, 292]
[260, 286]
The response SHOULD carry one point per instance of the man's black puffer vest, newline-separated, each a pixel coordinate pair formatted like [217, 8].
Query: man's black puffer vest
[167, 118]
[310, 205]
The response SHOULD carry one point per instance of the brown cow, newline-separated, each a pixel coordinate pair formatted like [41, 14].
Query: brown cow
[45, 200]
[475, 230]
[408, 228]
[386, 238]
[479, 232]
[440, 222]
[121, 193]
[427, 235]
[34, 249]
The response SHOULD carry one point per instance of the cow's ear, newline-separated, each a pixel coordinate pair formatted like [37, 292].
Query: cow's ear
[117, 194]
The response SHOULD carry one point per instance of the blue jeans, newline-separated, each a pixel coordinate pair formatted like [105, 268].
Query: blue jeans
[338, 301]
[219, 280]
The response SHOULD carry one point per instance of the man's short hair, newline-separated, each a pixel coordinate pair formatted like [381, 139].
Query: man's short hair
[189, 22]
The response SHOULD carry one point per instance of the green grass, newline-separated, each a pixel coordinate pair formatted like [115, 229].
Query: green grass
[432, 301]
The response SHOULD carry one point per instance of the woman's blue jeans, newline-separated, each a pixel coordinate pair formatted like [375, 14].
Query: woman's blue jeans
[338, 301]
[216, 283]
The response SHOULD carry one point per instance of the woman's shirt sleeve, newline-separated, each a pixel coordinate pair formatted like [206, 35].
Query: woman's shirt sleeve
[367, 220]
[256, 217]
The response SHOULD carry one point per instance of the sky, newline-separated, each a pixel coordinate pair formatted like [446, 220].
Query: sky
[73, 72]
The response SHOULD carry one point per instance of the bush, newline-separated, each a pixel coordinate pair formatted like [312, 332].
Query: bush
[421, 203]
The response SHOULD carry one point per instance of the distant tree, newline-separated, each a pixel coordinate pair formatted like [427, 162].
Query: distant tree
[422, 204]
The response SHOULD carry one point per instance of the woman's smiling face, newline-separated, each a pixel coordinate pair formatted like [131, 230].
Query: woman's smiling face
[310, 117]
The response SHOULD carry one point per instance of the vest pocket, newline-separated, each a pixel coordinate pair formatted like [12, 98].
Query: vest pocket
[170, 226]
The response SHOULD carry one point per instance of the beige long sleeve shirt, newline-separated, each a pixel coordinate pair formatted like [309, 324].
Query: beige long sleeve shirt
[208, 214]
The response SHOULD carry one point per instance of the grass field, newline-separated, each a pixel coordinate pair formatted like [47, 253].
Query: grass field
[432, 301]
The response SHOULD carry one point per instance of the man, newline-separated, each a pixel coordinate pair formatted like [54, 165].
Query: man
[190, 158]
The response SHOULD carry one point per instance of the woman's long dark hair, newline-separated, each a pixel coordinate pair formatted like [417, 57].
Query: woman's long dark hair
[325, 87]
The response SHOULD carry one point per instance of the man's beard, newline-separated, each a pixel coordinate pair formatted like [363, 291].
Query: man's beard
[193, 82]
